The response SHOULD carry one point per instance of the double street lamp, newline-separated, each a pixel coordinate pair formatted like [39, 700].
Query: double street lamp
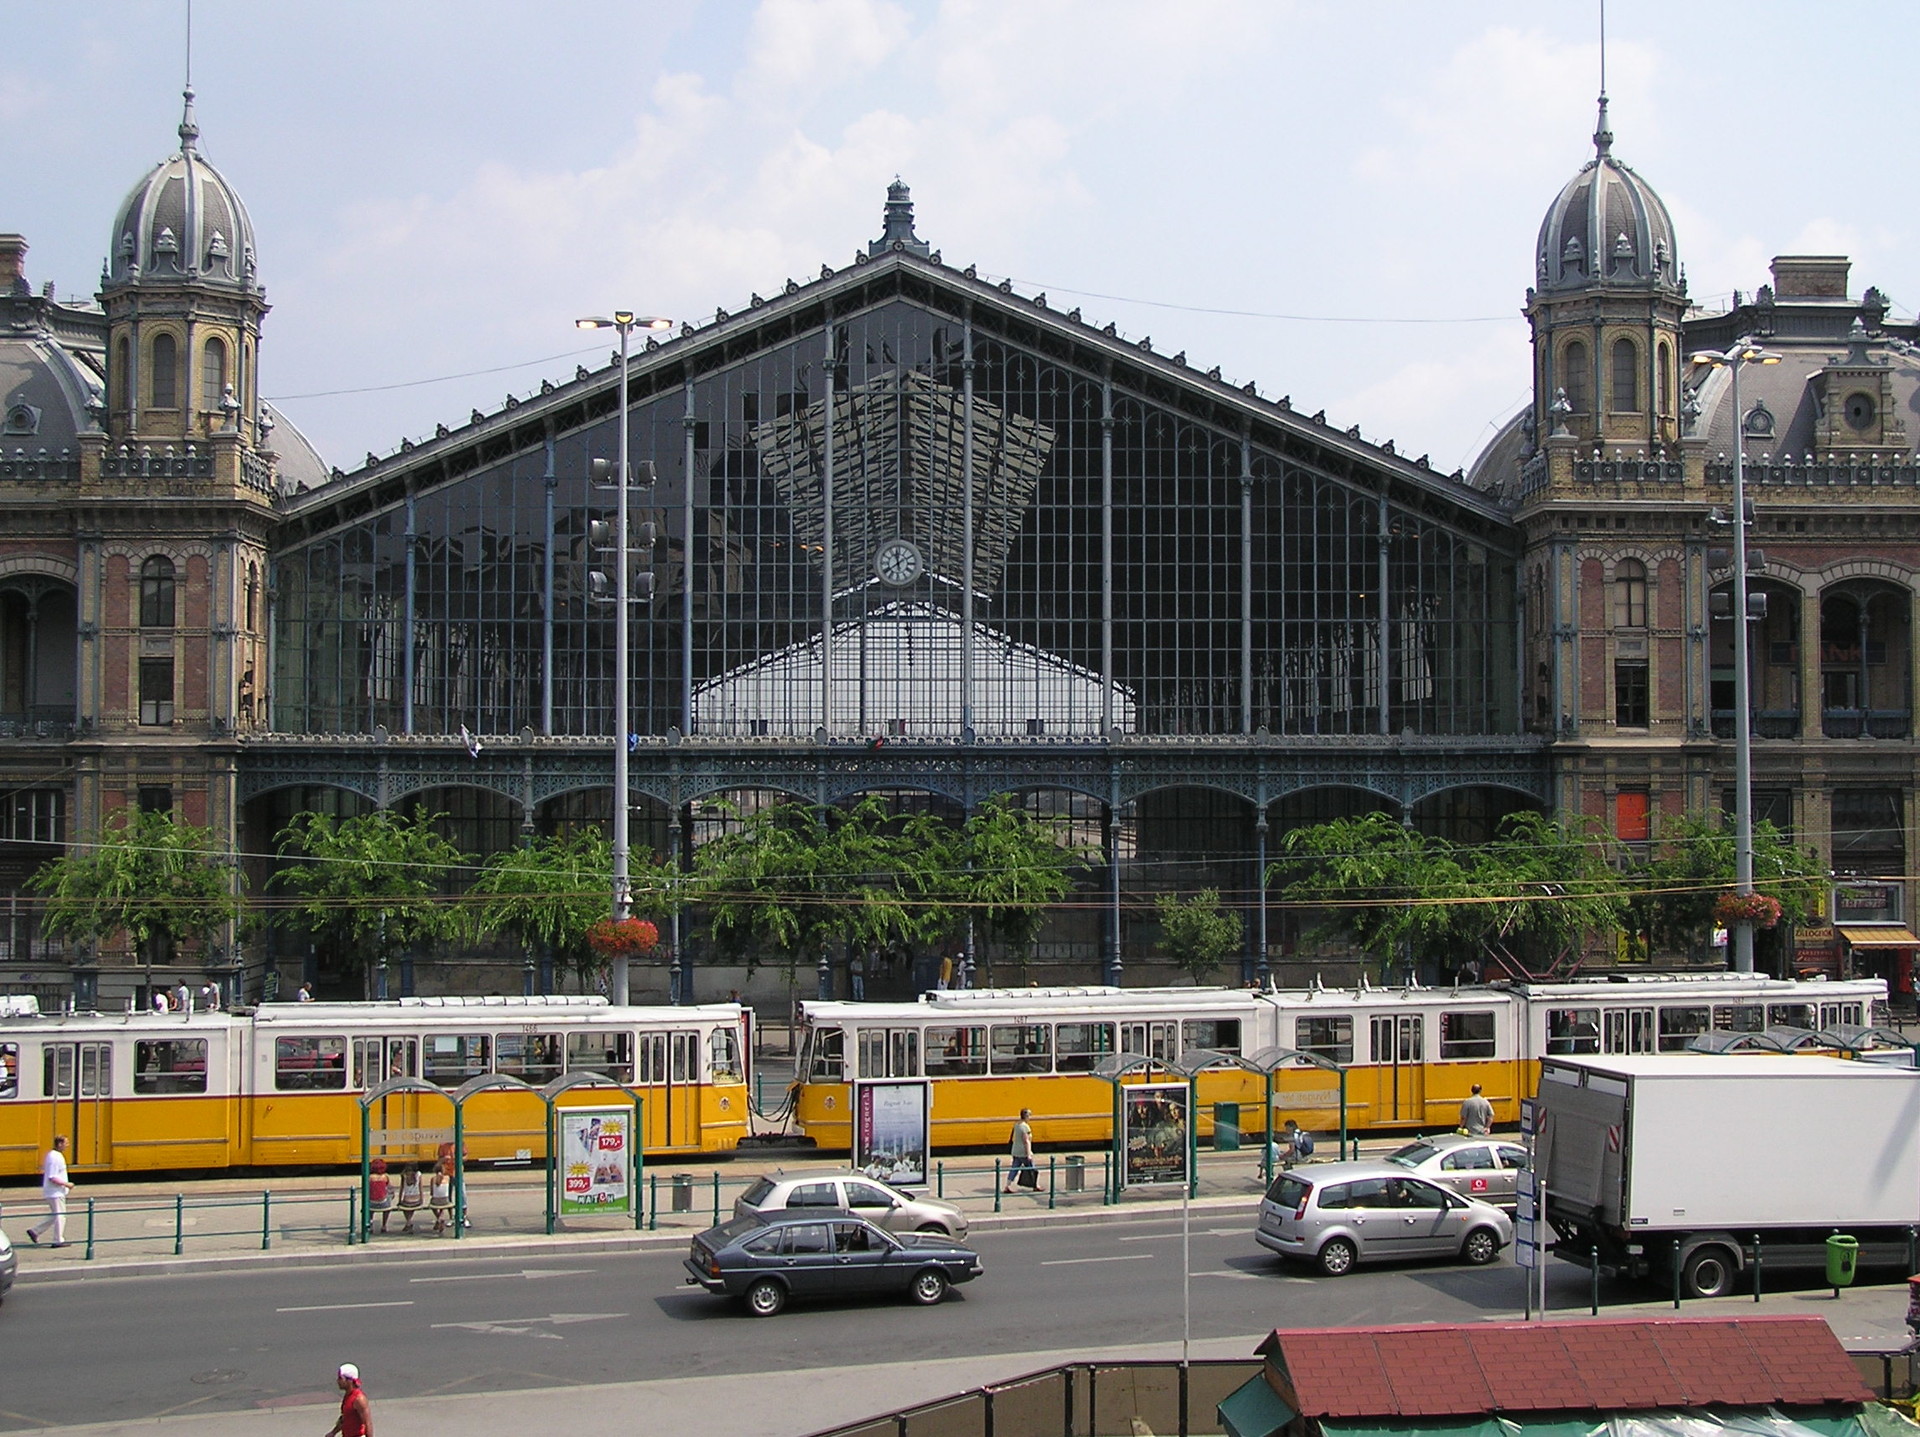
[624, 322]
[1733, 359]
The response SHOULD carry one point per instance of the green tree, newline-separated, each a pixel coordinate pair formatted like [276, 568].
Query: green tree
[372, 885]
[161, 882]
[1693, 864]
[1003, 869]
[1378, 884]
[1198, 934]
[546, 894]
[1540, 892]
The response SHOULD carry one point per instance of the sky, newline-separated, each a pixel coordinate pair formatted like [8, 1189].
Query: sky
[1338, 201]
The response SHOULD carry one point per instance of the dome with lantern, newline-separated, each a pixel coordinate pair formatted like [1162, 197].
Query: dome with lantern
[1606, 227]
[183, 223]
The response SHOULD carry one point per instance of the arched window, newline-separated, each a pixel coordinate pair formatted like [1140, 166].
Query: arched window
[120, 398]
[213, 375]
[165, 385]
[1574, 376]
[253, 591]
[156, 593]
[1626, 377]
[1665, 397]
[1630, 594]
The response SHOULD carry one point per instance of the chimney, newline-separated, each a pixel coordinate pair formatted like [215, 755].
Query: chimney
[13, 265]
[1811, 276]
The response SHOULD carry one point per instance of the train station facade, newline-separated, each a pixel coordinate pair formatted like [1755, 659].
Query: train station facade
[911, 532]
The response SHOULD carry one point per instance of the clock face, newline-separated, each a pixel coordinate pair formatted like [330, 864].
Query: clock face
[897, 562]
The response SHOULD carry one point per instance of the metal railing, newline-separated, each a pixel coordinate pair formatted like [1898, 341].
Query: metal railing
[178, 1220]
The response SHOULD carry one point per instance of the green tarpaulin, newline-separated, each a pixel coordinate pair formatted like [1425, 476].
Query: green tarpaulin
[1254, 1410]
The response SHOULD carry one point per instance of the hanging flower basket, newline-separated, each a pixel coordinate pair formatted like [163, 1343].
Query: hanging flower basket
[622, 938]
[1755, 908]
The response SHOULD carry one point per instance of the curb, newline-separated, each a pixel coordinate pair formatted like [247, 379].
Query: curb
[530, 1245]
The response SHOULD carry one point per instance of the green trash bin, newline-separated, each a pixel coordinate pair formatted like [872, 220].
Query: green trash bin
[1226, 1127]
[1843, 1256]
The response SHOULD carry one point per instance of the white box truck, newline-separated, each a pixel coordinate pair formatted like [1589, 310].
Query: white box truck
[1687, 1161]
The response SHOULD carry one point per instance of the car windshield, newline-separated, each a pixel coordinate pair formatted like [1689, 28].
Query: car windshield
[1288, 1190]
[757, 1194]
[1413, 1154]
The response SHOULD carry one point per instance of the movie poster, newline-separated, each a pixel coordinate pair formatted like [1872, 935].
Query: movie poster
[1156, 1133]
[596, 1160]
[893, 1131]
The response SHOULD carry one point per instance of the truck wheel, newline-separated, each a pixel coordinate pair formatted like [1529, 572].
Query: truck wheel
[1708, 1273]
[1336, 1257]
[766, 1297]
[1481, 1246]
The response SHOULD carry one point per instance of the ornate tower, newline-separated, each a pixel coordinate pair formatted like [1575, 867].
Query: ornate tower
[1609, 293]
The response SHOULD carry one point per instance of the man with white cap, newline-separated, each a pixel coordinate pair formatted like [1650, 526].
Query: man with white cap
[356, 1419]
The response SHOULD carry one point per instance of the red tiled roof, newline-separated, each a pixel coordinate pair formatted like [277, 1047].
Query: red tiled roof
[1446, 1370]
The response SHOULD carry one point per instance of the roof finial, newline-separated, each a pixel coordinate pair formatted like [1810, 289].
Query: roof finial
[189, 131]
[1602, 135]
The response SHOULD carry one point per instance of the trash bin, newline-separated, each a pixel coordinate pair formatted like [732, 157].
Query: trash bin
[1076, 1172]
[683, 1192]
[1843, 1256]
[1226, 1127]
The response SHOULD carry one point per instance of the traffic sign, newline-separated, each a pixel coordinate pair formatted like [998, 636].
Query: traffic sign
[1525, 1254]
[1529, 1117]
[1524, 1209]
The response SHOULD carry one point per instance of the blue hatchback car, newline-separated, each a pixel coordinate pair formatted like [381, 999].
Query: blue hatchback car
[765, 1259]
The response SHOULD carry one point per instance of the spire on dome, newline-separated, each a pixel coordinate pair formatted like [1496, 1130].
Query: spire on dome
[1602, 133]
[189, 131]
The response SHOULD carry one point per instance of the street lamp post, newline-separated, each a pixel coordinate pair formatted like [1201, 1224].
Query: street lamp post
[624, 322]
[1741, 352]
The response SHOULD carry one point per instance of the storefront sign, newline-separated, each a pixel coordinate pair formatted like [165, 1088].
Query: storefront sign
[596, 1160]
[1866, 903]
[893, 1131]
[1156, 1134]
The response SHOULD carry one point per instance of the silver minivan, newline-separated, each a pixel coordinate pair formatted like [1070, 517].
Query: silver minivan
[1337, 1214]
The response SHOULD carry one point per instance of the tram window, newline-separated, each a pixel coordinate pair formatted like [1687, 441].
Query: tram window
[173, 1065]
[683, 1051]
[1789, 1015]
[452, 1058]
[603, 1051]
[956, 1052]
[829, 1060]
[1834, 1015]
[533, 1058]
[1739, 1018]
[1022, 1048]
[303, 1063]
[1679, 1026]
[1079, 1047]
[1327, 1036]
[889, 1052]
[1221, 1035]
[9, 1070]
[723, 1056]
[1573, 1030]
[1466, 1035]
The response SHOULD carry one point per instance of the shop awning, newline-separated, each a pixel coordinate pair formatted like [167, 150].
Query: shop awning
[1254, 1409]
[1879, 935]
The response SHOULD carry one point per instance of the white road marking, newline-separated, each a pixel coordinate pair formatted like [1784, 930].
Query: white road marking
[1076, 1261]
[531, 1274]
[530, 1326]
[1197, 1232]
[343, 1306]
[1241, 1276]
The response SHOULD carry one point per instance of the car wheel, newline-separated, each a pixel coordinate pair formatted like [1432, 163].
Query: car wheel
[933, 1227]
[1708, 1273]
[1336, 1257]
[928, 1287]
[766, 1297]
[1481, 1246]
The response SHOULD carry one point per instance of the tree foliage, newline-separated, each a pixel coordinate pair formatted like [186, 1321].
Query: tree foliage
[148, 875]
[1197, 933]
[1004, 868]
[546, 893]
[1693, 864]
[372, 885]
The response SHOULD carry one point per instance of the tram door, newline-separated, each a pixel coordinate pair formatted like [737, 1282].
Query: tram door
[79, 1080]
[1626, 1030]
[1159, 1041]
[377, 1060]
[668, 1067]
[1398, 1056]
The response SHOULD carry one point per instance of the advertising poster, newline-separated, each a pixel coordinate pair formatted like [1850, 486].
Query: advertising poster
[893, 1131]
[596, 1160]
[1156, 1132]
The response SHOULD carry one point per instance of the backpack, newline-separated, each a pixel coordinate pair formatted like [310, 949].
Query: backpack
[1303, 1143]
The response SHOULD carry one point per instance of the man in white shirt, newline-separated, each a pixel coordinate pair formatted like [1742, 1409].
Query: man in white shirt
[54, 1187]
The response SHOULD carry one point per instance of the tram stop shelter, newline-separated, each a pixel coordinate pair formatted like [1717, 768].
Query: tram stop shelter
[457, 1100]
[1848, 1041]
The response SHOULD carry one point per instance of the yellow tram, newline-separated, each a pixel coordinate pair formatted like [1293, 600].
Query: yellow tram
[279, 1086]
[1410, 1054]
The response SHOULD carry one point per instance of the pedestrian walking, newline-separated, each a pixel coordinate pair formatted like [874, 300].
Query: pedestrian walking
[54, 1187]
[1476, 1114]
[356, 1415]
[1021, 1171]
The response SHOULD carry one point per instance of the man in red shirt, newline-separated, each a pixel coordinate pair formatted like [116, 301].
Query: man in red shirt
[356, 1418]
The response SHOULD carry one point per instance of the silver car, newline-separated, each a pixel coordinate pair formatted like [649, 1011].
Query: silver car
[1482, 1168]
[9, 1265]
[1337, 1214]
[856, 1193]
